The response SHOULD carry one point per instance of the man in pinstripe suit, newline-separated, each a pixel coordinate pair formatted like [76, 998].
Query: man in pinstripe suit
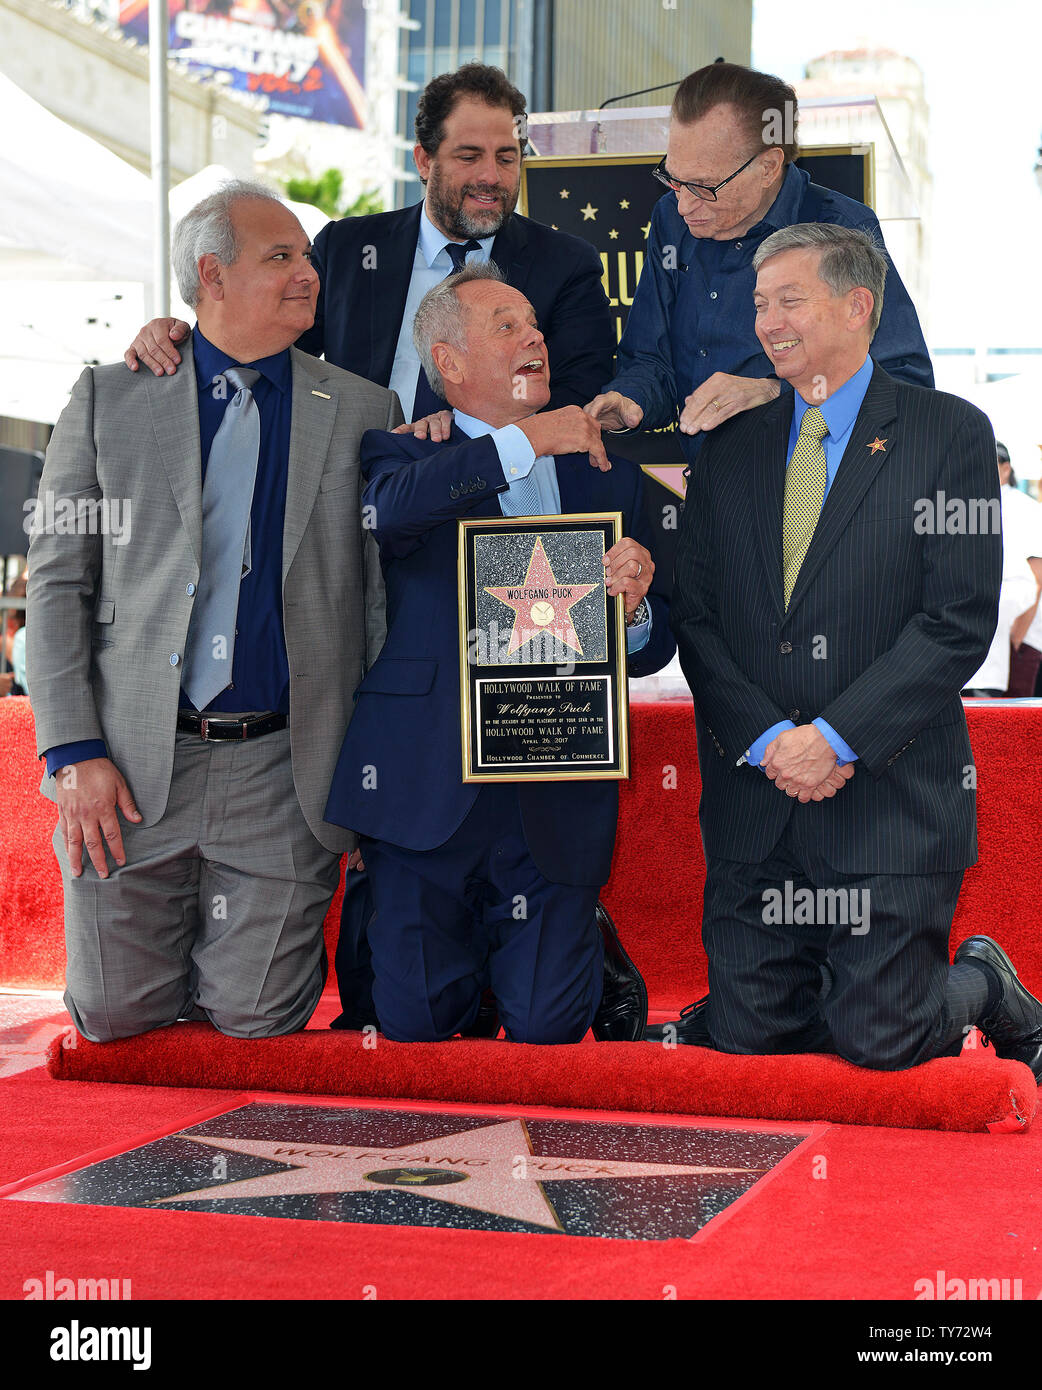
[836, 583]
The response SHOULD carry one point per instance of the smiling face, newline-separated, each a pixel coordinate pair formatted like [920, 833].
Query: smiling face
[502, 374]
[816, 340]
[262, 302]
[710, 150]
[473, 179]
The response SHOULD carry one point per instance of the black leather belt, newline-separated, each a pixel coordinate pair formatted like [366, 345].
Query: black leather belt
[220, 730]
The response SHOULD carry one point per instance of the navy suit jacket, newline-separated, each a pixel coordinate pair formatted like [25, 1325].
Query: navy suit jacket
[891, 614]
[399, 777]
[365, 265]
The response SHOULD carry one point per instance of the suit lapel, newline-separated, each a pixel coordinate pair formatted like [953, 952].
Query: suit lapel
[173, 401]
[770, 446]
[311, 428]
[388, 290]
[857, 469]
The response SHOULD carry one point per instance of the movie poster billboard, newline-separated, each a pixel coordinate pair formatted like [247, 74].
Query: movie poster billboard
[307, 58]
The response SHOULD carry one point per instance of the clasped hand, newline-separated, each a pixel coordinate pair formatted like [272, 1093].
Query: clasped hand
[802, 763]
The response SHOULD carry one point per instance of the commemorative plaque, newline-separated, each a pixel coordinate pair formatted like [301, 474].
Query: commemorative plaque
[542, 650]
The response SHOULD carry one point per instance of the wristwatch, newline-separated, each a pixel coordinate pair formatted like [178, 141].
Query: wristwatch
[640, 614]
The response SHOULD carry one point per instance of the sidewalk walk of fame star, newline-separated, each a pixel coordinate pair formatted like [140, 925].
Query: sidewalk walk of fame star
[541, 604]
[491, 1170]
[651, 1179]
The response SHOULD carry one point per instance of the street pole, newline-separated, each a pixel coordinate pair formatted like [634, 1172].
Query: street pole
[160, 141]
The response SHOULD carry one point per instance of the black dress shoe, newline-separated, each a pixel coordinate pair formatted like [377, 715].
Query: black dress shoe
[1014, 1027]
[486, 1024]
[355, 1022]
[690, 1028]
[623, 1011]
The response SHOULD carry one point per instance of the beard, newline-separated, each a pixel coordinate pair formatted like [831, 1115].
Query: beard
[445, 207]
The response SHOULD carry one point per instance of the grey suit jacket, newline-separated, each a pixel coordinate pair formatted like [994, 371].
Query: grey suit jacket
[108, 614]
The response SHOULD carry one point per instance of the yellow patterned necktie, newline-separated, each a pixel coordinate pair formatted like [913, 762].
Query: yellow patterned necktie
[804, 495]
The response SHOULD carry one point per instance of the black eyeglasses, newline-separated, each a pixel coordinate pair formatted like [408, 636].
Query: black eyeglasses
[697, 190]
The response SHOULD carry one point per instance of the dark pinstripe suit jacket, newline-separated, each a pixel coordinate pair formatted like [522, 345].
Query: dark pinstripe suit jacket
[893, 610]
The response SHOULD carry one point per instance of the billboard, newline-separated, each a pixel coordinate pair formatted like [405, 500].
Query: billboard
[306, 59]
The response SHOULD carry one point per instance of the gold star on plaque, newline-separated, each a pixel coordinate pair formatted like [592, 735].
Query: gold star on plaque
[589, 213]
[878, 446]
[624, 203]
[613, 234]
[564, 192]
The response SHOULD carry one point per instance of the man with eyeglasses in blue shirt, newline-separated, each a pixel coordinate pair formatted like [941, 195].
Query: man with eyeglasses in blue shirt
[689, 344]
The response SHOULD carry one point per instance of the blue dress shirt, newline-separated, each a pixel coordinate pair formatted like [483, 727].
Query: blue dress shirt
[519, 460]
[693, 313]
[431, 264]
[840, 411]
[260, 667]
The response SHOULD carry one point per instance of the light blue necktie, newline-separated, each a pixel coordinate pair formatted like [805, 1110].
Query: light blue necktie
[227, 499]
[524, 494]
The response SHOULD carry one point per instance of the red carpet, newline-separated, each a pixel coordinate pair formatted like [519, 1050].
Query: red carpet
[871, 1214]
[655, 898]
[974, 1092]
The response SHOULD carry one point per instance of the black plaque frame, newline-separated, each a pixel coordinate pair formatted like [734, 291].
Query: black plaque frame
[604, 679]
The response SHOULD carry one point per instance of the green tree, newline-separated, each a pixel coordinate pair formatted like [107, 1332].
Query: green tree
[326, 191]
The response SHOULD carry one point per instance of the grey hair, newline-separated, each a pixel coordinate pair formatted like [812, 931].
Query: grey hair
[850, 259]
[442, 317]
[207, 229]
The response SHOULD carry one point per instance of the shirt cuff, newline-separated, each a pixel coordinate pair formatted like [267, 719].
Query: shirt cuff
[756, 751]
[62, 754]
[638, 635]
[844, 752]
[515, 452]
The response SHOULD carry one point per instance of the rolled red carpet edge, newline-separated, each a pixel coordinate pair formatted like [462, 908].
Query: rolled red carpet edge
[949, 1093]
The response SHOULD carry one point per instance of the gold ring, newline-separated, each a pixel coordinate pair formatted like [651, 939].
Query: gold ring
[640, 570]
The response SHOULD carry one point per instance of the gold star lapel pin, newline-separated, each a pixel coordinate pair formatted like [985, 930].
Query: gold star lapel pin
[878, 446]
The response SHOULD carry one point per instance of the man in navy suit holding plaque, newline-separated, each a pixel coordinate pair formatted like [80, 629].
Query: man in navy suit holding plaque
[490, 886]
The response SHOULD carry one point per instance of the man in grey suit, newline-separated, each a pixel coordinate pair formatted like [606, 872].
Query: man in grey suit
[194, 664]
[837, 581]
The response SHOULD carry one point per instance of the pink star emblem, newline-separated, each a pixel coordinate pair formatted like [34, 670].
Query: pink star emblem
[541, 604]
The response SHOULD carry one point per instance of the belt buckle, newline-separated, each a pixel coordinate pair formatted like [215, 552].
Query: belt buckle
[204, 725]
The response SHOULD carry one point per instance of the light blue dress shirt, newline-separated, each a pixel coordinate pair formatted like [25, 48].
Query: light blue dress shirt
[840, 411]
[519, 460]
[430, 266]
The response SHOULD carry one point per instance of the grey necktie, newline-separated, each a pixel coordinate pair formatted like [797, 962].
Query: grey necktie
[227, 498]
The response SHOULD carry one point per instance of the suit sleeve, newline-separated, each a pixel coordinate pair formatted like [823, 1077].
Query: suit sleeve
[735, 710]
[948, 639]
[64, 573]
[579, 334]
[413, 487]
